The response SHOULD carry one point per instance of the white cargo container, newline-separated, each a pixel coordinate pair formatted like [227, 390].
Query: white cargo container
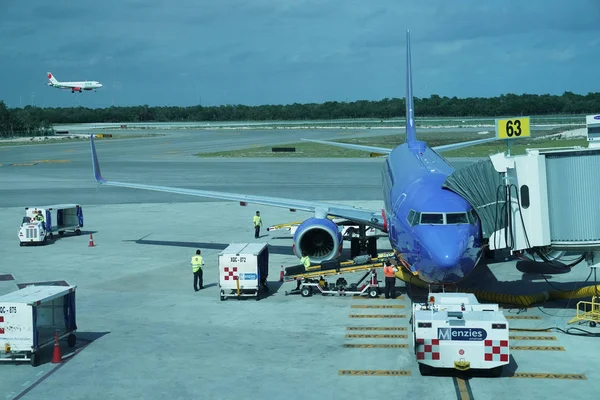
[243, 269]
[30, 318]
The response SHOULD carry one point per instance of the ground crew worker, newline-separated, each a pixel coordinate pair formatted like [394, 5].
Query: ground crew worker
[305, 260]
[40, 218]
[257, 224]
[197, 265]
[390, 279]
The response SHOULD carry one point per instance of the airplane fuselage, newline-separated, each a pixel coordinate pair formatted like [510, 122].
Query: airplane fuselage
[434, 229]
[77, 86]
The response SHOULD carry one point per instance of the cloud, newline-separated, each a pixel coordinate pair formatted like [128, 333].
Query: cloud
[266, 51]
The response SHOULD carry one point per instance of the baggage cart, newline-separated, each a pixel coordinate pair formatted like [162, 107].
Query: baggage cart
[31, 317]
[243, 270]
[58, 218]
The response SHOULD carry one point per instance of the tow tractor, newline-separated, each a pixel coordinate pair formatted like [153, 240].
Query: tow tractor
[453, 330]
[313, 280]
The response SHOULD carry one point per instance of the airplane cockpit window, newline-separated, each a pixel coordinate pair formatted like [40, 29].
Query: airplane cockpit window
[473, 217]
[413, 217]
[431, 218]
[457, 218]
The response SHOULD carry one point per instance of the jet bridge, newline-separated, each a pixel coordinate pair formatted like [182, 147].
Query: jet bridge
[542, 203]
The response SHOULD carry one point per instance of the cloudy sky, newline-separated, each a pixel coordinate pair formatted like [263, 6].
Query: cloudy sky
[182, 52]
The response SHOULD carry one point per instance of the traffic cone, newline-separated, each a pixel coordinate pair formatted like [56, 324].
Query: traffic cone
[281, 275]
[91, 241]
[56, 357]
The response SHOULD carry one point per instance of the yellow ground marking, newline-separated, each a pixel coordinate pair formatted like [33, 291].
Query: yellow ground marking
[376, 328]
[376, 336]
[544, 348]
[535, 375]
[374, 372]
[376, 346]
[377, 306]
[377, 316]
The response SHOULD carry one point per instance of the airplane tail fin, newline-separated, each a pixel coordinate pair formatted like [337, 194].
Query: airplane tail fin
[411, 133]
[52, 79]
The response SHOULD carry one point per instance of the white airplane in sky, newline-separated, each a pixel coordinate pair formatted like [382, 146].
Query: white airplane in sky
[74, 86]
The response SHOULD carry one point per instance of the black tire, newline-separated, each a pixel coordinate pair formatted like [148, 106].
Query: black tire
[71, 339]
[21, 244]
[257, 294]
[592, 324]
[354, 247]
[61, 233]
[34, 359]
[425, 370]
[372, 248]
[497, 372]
[306, 291]
[78, 232]
[223, 297]
[373, 293]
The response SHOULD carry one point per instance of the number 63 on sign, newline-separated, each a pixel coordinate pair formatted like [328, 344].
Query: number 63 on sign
[512, 128]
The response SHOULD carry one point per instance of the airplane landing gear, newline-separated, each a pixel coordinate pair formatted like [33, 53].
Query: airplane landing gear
[363, 244]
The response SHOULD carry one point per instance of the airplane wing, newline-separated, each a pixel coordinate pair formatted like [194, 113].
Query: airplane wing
[321, 209]
[383, 150]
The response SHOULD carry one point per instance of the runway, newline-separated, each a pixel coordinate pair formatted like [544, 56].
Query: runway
[144, 333]
[63, 172]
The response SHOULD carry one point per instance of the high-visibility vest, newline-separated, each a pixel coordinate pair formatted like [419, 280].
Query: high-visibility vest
[388, 271]
[305, 261]
[197, 263]
[256, 220]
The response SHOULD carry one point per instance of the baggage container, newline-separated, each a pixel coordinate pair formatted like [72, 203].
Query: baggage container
[30, 319]
[243, 270]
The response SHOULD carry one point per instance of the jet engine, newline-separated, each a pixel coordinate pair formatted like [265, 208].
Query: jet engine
[319, 238]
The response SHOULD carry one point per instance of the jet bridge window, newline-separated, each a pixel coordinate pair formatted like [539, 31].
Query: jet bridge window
[457, 218]
[432, 219]
[525, 196]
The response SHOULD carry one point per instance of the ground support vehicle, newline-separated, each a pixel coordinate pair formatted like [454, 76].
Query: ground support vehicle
[453, 330]
[243, 270]
[31, 317]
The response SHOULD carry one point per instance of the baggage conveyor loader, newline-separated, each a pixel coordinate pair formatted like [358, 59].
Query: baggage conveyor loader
[313, 280]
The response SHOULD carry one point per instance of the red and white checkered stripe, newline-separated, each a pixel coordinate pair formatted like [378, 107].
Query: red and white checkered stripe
[496, 350]
[230, 273]
[1, 328]
[428, 349]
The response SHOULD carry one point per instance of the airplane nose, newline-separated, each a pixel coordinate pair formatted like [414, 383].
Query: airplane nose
[446, 245]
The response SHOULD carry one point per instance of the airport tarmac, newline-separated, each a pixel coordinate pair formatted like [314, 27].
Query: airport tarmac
[144, 333]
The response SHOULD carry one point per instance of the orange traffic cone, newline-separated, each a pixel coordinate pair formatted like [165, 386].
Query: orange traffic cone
[91, 241]
[56, 357]
[281, 275]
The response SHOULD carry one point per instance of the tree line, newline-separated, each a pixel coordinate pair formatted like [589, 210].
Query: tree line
[32, 120]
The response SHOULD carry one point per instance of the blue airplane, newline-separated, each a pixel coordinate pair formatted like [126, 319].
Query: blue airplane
[434, 232]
